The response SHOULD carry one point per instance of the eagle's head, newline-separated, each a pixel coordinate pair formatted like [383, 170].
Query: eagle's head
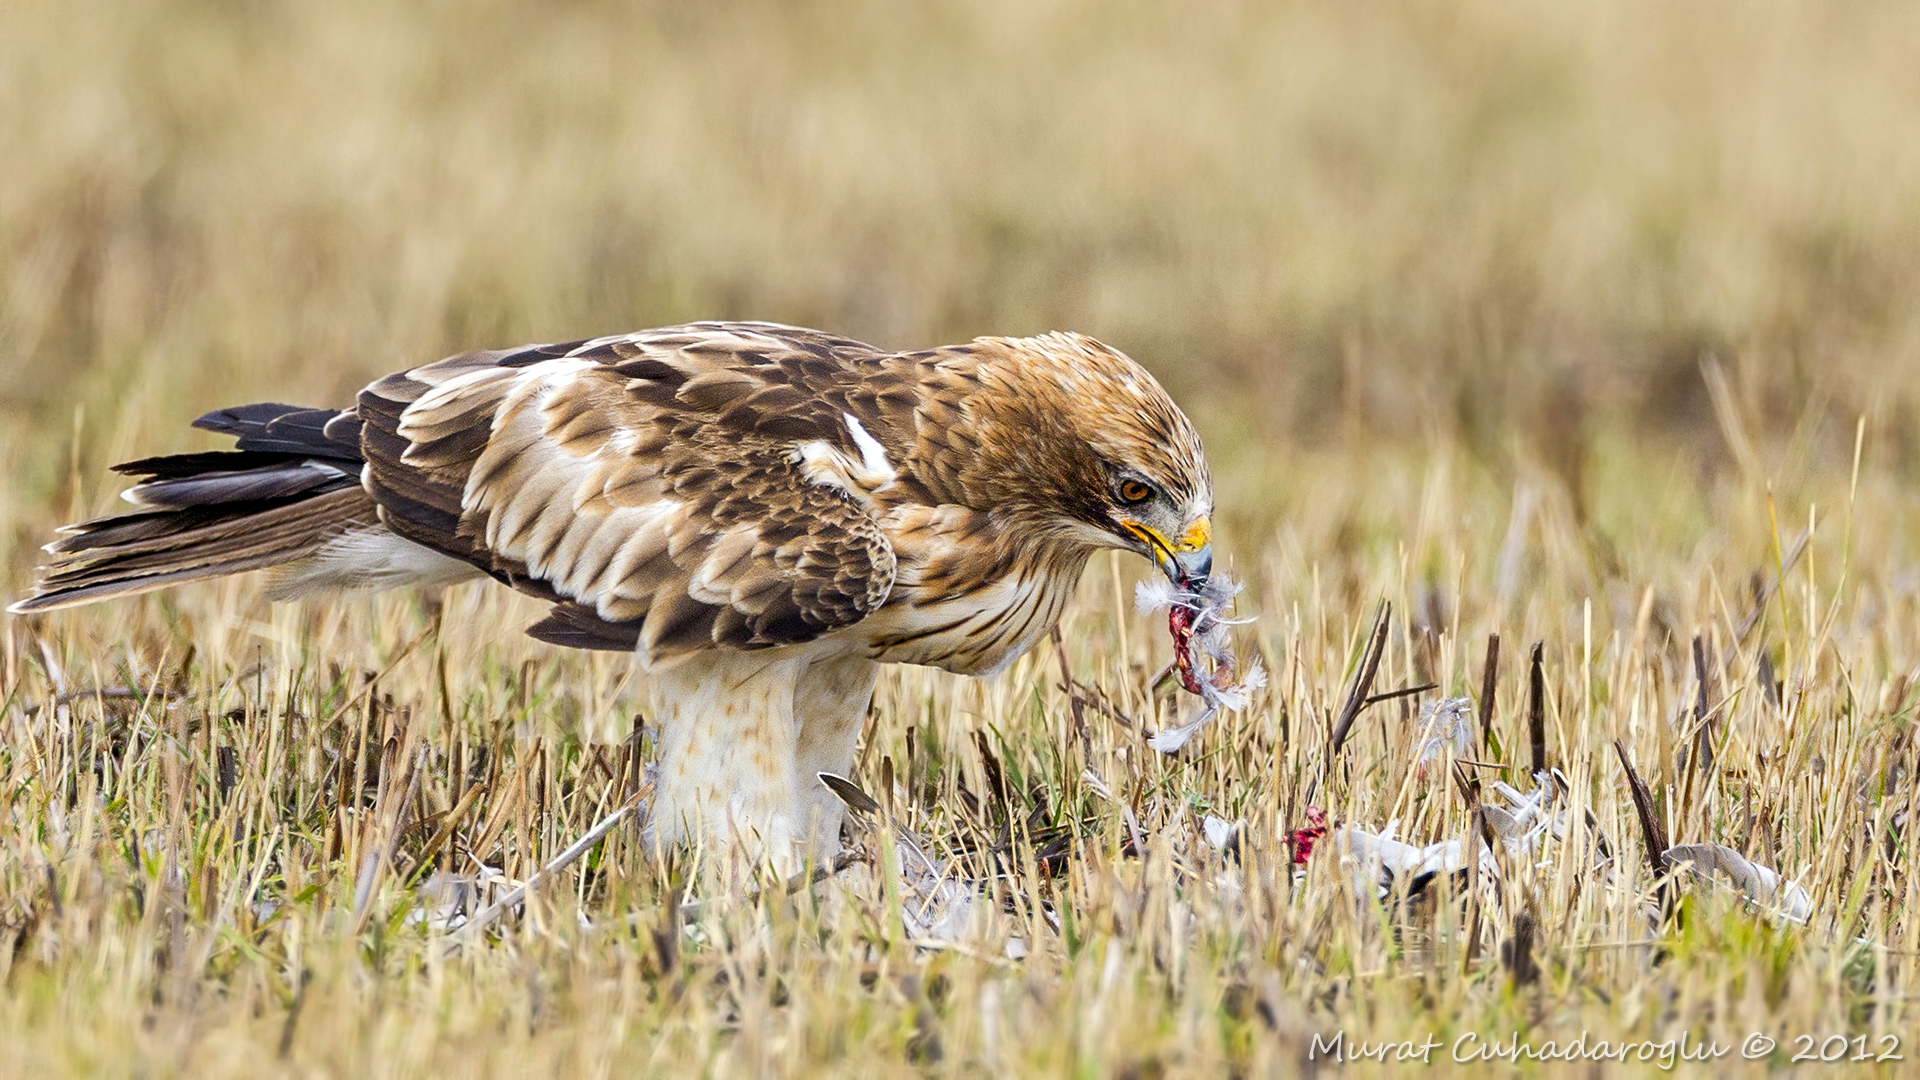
[1085, 449]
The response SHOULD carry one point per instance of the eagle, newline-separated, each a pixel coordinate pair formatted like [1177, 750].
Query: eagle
[761, 514]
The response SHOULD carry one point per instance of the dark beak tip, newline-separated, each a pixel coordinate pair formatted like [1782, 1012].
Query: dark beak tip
[1194, 567]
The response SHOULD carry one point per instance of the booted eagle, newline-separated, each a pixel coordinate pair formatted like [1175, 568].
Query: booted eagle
[762, 514]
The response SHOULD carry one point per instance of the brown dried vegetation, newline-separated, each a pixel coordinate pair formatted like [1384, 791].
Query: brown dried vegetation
[1556, 322]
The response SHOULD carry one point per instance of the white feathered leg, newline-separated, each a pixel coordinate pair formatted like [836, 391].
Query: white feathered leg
[830, 703]
[743, 738]
[727, 777]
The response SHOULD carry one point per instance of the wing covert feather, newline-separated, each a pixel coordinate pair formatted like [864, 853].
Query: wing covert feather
[650, 485]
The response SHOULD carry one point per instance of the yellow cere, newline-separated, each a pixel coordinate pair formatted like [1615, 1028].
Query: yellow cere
[1197, 536]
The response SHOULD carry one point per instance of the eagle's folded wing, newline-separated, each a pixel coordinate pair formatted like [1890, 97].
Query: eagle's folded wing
[673, 490]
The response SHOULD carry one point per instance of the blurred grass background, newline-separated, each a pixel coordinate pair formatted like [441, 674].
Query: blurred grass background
[1550, 320]
[1322, 221]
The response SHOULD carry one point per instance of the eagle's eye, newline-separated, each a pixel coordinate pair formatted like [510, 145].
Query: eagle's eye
[1134, 492]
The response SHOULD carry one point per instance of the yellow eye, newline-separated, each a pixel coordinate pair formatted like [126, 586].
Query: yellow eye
[1135, 492]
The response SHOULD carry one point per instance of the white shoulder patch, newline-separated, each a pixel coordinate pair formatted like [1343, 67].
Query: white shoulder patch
[873, 457]
[825, 464]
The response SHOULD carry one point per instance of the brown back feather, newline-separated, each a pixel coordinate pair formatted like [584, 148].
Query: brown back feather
[645, 483]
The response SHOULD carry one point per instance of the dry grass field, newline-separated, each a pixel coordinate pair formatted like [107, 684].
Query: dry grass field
[1557, 322]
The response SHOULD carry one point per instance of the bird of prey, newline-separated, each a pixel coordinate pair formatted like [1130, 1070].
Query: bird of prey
[762, 514]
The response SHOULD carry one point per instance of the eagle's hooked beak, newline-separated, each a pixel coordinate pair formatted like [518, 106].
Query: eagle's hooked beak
[1187, 561]
[1191, 568]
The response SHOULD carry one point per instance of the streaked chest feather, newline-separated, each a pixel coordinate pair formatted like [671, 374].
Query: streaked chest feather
[974, 632]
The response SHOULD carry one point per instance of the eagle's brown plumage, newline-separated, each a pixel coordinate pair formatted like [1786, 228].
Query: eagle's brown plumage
[762, 513]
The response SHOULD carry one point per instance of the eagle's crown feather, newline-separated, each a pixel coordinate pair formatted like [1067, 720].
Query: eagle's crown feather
[1063, 421]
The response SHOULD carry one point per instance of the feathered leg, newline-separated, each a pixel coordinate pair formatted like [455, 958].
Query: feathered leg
[727, 778]
[830, 705]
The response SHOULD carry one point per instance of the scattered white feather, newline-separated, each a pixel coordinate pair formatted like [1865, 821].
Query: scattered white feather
[1377, 861]
[1444, 727]
[1761, 885]
[1155, 594]
[1219, 831]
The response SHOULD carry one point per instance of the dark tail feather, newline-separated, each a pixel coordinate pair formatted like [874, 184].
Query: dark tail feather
[289, 429]
[293, 485]
[222, 487]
